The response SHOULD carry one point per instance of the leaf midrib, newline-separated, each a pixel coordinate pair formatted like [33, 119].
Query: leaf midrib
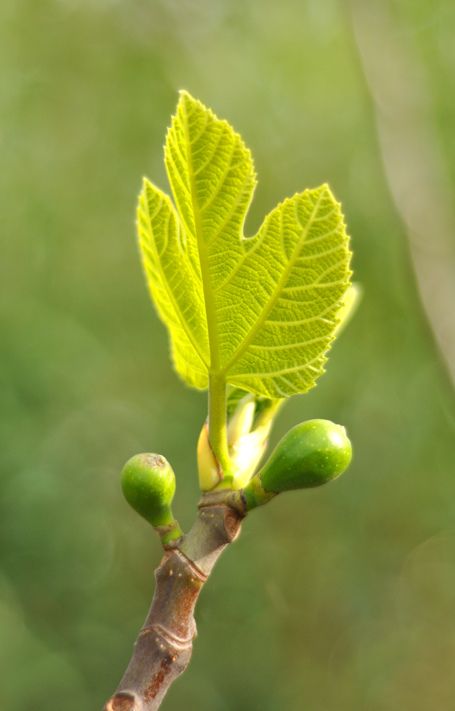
[279, 286]
[210, 313]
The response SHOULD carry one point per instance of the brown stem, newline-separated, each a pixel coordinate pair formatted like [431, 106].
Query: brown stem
[163, 647]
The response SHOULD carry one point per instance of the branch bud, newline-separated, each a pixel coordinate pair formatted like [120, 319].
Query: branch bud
[209, 469]
[248, 430]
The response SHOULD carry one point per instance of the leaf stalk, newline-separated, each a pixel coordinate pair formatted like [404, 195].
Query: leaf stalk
[217, 407]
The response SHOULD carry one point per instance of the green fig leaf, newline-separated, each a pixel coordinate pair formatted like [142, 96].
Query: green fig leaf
[258, 313]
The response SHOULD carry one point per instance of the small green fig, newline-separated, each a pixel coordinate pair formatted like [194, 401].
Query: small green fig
[148, 484]
[310, 454]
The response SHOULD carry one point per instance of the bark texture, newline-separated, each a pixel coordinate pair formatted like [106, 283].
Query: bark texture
[162, 650]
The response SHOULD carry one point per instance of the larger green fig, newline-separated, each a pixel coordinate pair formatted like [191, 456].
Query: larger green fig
[148, 484]
[309, 455]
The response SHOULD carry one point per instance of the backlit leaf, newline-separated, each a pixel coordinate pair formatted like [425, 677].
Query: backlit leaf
[258, 311]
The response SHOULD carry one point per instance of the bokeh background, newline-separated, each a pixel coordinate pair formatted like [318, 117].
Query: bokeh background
[337, 599]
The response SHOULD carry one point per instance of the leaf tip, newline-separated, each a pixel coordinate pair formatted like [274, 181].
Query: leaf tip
[186, 98]
[327, 191]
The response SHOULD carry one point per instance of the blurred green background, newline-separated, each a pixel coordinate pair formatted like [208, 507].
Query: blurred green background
[332, 600]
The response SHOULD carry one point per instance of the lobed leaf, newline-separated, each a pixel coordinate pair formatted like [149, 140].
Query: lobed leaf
[260, 312]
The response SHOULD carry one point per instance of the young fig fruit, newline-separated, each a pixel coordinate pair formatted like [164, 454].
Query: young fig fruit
[148, 484]
[310, 454]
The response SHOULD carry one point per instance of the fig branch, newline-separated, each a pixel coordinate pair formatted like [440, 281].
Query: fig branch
[164, 645]
[251, 320]
[309, 455]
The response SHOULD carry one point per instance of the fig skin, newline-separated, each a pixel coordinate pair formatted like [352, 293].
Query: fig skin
[148, 484]
[310, 454]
